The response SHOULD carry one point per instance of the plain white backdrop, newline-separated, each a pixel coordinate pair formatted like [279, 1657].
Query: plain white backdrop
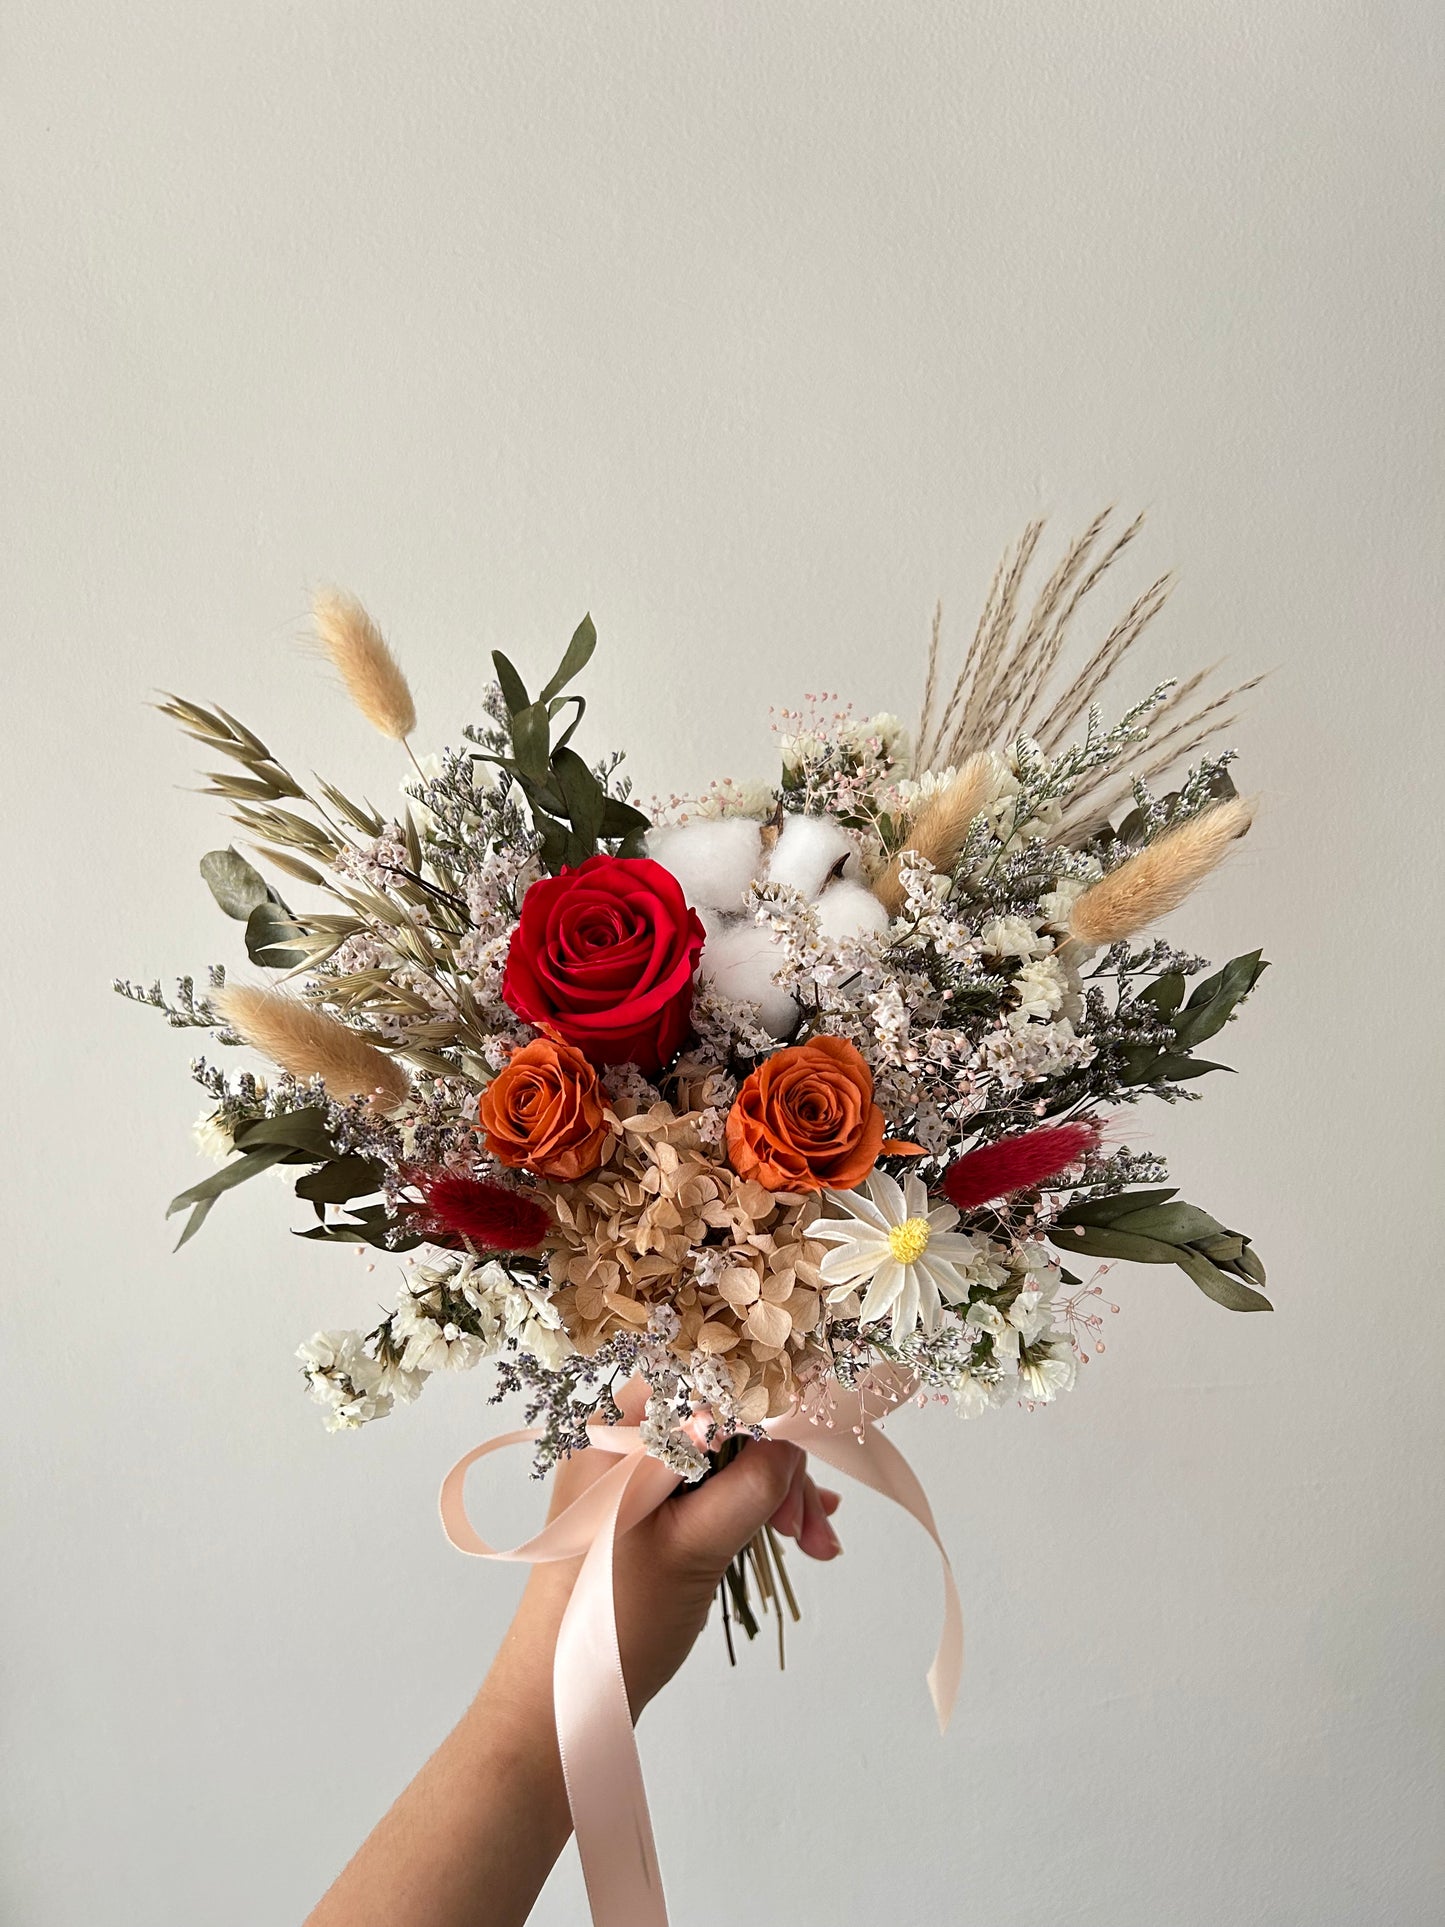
[752, 328]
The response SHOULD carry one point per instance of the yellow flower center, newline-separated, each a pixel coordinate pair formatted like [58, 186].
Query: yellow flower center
[908, 1241]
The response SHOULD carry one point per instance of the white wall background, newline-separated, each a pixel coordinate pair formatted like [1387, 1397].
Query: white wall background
[751, 328]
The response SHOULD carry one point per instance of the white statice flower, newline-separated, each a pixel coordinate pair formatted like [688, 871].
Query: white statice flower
[987, 1320]
[344, 1379]
[1056, 905]
[398, 1382]
[1002, 811]
[1047, 1367]
[712, 1386]
[977, 1392]
[1034, 1051]
[511, 1308]
[1013, 936]
[888, 732]
[797, 747]
[665, 1437]
[907, 1251]
[213, 1136]
[1040, 987]
[429, 1344]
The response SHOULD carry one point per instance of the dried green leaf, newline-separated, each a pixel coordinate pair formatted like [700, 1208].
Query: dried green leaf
[299, 1130]
[340, 1180]
[514, 690]
[237, 887]
[574, 661]
[248, 1165]
[269, 932]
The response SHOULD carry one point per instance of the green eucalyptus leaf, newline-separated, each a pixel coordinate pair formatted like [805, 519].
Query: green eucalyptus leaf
[621, 820]
[1251, 1264]
[248, 1165]
[582, 794]
[576, 659]
[1138, 1063]
[1166, 993]
[237, 885]
[340, 1180]
[514, 690]
[371, 1226]
[1176, 1068]
[531, 739]
[1219, 1286]
[1226, 1249]
[1109, 1241]
[1177, 1223]
[1214, 1001]
[199, 1214]
[556, 708]
[554, 837]
[1109, 1210]
[268, 931]
[302, 1130]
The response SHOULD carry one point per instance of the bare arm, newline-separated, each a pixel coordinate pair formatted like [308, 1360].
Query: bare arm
[472, 1839]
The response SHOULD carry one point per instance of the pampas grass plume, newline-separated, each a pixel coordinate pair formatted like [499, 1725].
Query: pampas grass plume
[937, 832]
[1157, 879]
[366, 665]
[310, 1043]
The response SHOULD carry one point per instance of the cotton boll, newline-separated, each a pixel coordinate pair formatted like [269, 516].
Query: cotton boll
[848, 910]
[714, 861]
[740, 962]
[808, 849]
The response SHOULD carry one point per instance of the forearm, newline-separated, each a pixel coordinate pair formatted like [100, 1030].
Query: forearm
[471, 1841]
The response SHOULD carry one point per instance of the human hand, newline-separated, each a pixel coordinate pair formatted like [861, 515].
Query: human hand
[476, 1833]
[668, 1567]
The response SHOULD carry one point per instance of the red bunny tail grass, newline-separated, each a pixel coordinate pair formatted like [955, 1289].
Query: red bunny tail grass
[1017, 1163]
[490, 1217]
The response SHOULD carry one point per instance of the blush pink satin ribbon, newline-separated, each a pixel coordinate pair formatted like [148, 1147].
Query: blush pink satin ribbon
[594, 1725]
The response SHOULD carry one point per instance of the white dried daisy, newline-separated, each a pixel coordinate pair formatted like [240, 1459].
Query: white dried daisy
[908, 1250]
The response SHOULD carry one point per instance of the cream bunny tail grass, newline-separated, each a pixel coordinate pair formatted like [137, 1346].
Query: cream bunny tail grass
[370, 671]
[937, 833]
[309, 1043]
[1157, 879]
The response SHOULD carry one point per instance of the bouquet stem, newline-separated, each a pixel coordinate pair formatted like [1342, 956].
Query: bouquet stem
[761, 1566]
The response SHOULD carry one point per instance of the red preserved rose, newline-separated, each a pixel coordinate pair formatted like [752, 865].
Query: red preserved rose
[604, 956]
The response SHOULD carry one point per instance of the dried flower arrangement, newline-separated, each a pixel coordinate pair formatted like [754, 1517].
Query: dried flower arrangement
[788, 1096]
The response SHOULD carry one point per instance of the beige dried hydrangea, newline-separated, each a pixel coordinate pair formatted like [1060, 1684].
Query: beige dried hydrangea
[665, 1224]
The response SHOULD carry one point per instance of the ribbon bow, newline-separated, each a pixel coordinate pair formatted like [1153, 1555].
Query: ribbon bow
[594, 1725]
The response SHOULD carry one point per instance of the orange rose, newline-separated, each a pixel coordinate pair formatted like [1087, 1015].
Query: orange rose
[544, 1112]
[806, 1119]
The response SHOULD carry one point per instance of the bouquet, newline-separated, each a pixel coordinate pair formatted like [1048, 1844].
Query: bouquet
[792, 1100]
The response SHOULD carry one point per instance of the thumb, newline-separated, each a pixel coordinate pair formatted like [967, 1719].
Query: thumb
[715, 1520]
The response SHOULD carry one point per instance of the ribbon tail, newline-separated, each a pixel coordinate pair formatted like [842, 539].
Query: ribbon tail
[876, 1461]
[600, 1761]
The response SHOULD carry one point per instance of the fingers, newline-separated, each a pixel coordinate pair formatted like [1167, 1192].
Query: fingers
[804, 1515]
[715, 1520]
[817, 1537]
[788, 1518]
